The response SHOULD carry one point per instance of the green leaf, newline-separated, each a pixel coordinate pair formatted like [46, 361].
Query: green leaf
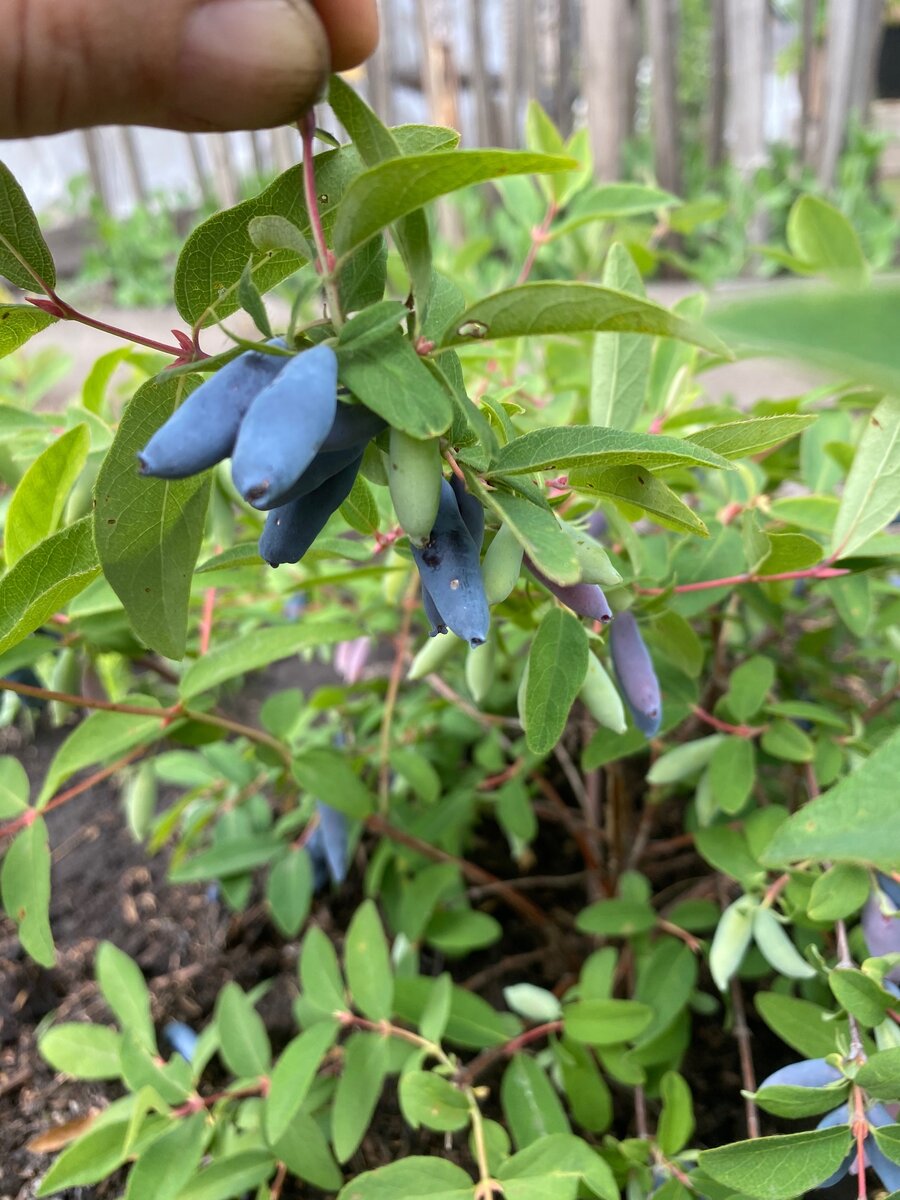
[294, 1074]
[684, 761]
[304, 1150]
[537, 531]
[25, 890]
[320, 973]
[277, 233]
[840, 892]
[359, 1087]
[732, 771]
[23, 252]
[556, 1164]
[360, 509]
[143, 1069]
[879, 1074]
[825, 241]
[803, 1025]
[390, 378]
[777, 948]
[871, 494]
[168, 1163]
[785, 1100]
[230, 1176]
[778, 1168]
[850, 333]
[740, 439]
[367, 964]
[676, 1120]
[636, 490]
[100, 738]
[374, 143]
[459, 931]
[229, 859]
[418, 772]
[251, 301]
[731, 941]
[860, 995]
[258, 649]
[785, 740]
[621, 361]
[215, 254]
[530, 1104]
[38, 501]
[84, 1051]
[427, 1099]
[289, 891]
[45, 579]
[328, 775]
[473, 1023]
[749, 685]
[606, 1022]
[243, 1041]
[124, 989]
[557, 665]
[616, 918]
[666, 981]
[14, 787]
[94, 1156]
[613, 202]
[411, 1178]
[536, 309]
[532, 1002]
[587, 1092]
[592, 447]
[789, 552]
[857, 821]
[148, 531]
[18, 323]
[392, 189]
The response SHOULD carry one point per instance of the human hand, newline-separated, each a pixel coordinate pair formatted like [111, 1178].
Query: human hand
[195, 65]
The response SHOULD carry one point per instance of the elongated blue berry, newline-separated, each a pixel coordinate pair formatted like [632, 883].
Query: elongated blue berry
[438, 625]
[882, 934]
[324, 466]
[811, 1073]
[470, 509]
[585, 599]
[291, 529]
[450, 570]
[634, 671]
[203, 430]
[354, 425]
[285, 427]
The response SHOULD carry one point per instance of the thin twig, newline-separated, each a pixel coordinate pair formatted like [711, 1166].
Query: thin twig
[741, 1032]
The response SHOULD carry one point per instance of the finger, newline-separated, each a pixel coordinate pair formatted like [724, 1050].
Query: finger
[352, 27]
[179, 64]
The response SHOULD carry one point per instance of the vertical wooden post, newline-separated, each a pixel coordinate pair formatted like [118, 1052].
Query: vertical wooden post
[603, 62]
[513, 73]
[567, 53]
[96, 168]
[805, 78]
[482, 90]
[222, 169]
[717, 85]
[662, 37]
[136, 178]
[746, 49]
[380, 69]
[843, 17]
[193, 143]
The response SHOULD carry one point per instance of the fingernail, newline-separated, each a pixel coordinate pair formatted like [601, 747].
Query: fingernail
[248, 64]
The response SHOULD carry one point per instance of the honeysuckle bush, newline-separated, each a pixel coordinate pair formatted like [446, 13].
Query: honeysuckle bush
[741, 701]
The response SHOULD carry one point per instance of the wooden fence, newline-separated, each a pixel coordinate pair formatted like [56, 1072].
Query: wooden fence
[617, 66]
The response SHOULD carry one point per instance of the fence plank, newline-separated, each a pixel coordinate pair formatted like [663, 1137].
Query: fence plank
[662, 39]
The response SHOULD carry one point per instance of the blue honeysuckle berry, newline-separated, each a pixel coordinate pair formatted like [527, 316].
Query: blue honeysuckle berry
[181, 1038]
[811, 1073]
[888, 1172]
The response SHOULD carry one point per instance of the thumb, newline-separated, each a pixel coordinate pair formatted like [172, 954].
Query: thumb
[181, 64]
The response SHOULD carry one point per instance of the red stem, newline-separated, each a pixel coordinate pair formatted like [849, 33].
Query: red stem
[65, 312]
[307, 134]
[744, 731]
[538, 238]
[703, 585]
